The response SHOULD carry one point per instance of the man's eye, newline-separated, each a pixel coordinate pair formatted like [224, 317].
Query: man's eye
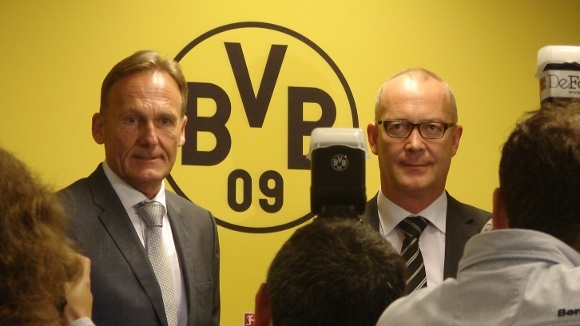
[434, 127]
[399, 125]
[165, 121]
[131, 120]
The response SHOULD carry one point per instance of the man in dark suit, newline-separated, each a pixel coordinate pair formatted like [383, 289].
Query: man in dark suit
[527, 270]
[141, 123]
[415, 135]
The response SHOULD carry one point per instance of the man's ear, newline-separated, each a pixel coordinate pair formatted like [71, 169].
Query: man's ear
[98, 125]
[182, 132]
[372, 135]
[499, 215]
[457, 132]
[262, 309]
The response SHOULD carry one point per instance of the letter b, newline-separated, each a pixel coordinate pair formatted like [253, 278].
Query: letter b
[561, 312]
[216, 125]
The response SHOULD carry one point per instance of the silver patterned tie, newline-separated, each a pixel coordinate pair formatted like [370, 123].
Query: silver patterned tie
[413, 226]
[152, 213]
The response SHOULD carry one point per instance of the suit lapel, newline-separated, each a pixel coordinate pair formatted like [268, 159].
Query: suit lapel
[460, 227]
[184, 252]
[121, 230]
[371, 214]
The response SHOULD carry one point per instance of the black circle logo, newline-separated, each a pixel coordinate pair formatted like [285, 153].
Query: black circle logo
[256, 92]
[339, 162]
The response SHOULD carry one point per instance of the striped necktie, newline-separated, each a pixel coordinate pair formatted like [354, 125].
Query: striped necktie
[412, 227]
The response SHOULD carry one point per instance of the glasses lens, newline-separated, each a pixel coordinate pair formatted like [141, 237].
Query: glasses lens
[398, 128]
[432, 129]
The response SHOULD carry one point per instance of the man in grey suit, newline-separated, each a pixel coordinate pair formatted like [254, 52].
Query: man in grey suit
[141, 123]
[415, 135]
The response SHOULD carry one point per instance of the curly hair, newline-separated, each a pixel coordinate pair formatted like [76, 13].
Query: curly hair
[36, 257]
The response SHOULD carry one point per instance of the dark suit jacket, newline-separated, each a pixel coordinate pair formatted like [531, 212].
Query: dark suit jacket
[123, 283]
[463, 221]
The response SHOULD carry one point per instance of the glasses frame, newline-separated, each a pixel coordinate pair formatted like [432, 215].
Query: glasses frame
[418, 126]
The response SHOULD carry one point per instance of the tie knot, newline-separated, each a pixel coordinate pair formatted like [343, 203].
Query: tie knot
[413, 226]
[151, 212]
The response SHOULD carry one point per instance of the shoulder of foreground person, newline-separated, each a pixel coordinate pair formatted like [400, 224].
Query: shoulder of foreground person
[414, 309]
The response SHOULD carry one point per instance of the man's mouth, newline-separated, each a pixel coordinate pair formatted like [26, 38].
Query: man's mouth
[414, 165]
[145, 158]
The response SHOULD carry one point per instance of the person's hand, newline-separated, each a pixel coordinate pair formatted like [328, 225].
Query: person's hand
[79, 297]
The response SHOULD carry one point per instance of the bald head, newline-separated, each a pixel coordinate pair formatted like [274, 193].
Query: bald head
[409, 81]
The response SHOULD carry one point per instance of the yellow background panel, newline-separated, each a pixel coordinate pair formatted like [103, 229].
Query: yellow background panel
[55, 55]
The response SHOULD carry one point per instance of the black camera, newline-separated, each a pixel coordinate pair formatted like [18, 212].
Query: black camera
[337, 163]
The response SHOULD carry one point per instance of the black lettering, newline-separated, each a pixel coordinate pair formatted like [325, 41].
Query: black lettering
[246, 198]
[563, 83]
[574, 82]
[276, 191]
[215, 125]
[568, 312]
[255, 105]
[298, 128]
[552, 81]
[561, 312]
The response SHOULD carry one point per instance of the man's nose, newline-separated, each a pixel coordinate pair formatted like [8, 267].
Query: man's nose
[148, 133]
[415, 140]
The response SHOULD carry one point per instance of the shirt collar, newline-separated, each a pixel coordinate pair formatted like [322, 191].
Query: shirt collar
[128, 195]
[391, 214]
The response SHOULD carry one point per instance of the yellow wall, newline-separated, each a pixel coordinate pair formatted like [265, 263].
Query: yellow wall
[54, 55]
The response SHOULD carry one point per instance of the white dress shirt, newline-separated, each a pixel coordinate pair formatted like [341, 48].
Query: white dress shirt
[432, 240]
[130, 197]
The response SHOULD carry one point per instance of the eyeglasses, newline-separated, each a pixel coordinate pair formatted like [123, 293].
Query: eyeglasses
[403, 128]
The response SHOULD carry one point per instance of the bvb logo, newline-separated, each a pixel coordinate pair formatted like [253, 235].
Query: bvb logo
[339, 162]
[256, 92]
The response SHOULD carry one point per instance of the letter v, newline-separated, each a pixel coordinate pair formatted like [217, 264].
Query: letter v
[255, 106]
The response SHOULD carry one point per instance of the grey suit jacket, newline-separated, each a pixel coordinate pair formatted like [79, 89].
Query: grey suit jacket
[125, 290]
[463, 221]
